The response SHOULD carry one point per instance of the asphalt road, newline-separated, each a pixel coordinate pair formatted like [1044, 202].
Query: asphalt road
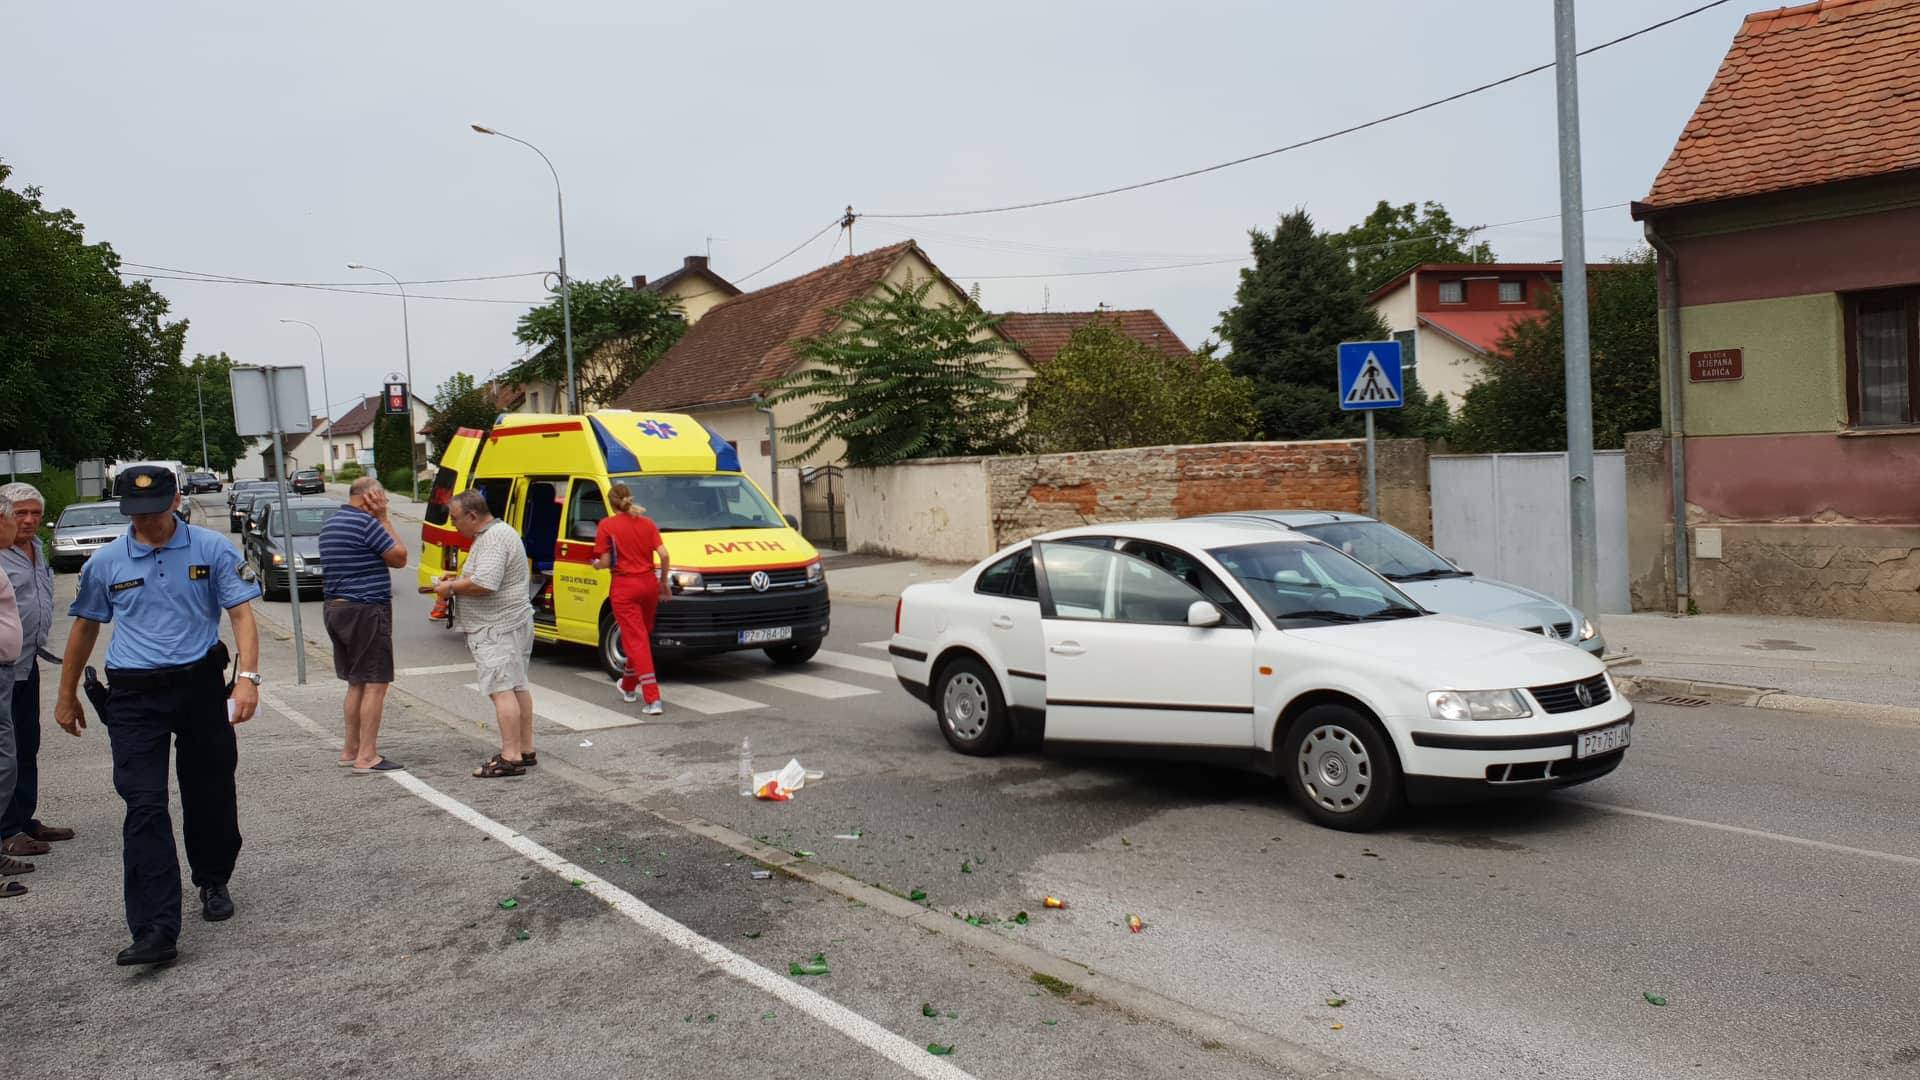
[1755, 869]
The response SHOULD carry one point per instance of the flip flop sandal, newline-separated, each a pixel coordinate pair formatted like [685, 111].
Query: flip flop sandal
[11, 888]
[530, 760]
[10, 866]
[497, 766]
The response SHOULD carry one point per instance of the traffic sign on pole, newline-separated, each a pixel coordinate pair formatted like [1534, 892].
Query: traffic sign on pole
[1370, 375]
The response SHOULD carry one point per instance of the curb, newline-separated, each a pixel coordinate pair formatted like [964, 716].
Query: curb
[1132, 999]
[1766, 697]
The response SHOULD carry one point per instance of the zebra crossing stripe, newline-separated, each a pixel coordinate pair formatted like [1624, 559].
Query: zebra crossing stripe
[679, 695]
[572, 713]
[861, 664]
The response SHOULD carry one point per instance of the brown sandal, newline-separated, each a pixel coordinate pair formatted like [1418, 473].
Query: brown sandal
[11, 866]
[531, 760]
[10, 889]
[497, 766]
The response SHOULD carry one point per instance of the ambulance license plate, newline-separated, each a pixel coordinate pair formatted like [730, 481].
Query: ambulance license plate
[1604, 741]
[766, 635]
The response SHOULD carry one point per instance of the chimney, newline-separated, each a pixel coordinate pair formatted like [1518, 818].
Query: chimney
[695, 262]
[639, 282]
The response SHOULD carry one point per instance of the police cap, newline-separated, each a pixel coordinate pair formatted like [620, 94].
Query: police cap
[146, 489]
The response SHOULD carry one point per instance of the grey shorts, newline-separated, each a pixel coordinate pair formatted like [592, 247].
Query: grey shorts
[362, 637]
[500, 654]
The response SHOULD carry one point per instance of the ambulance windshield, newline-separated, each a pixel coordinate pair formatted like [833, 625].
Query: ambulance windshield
[701, 502]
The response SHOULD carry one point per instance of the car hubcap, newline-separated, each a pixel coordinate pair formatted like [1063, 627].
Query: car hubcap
[965, 706]
[616, 650]
[1335, 768]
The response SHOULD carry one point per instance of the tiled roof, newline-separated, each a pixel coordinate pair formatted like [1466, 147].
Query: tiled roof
[1478, 330]
[1043, 333]
[357, 419]
[693, 270]
[1806, 95]
[746, 342]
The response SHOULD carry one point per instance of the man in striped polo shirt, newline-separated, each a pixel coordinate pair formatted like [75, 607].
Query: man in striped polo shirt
[358, 545]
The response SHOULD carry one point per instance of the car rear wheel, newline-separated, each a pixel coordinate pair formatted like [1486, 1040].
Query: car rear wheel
[1340, 768]
[793, 654]
[972, 711]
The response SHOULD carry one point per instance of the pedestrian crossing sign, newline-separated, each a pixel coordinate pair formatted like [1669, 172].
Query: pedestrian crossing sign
[1370, 375]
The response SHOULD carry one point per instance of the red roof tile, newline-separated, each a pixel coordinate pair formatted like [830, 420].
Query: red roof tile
[746, 342]
[1479, 330]
[1807, 95]
[358, 418]
[1043, 333]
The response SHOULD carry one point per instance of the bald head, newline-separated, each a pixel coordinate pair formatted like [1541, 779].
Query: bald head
[364, 485]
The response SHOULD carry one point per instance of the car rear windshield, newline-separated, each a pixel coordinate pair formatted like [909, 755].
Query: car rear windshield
[1388, 551]
[701, 502]
[1299, 583]
[306, 520]
[96, 514]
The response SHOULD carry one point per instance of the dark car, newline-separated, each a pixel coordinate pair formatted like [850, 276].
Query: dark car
[309, 482]
[240, 515]
[201, 482]
[239, 486]
[266, 548]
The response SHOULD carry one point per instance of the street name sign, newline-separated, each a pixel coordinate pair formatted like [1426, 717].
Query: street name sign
[1715, 365]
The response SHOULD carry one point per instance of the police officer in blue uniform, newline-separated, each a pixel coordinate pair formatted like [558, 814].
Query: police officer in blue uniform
[164, 585]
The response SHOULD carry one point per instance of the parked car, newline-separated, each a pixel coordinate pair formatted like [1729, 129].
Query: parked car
[309, 482]
[82, 529]
[240, 507]
[1432, 579]
[238, 486]
[265, 547]
[199, 482]
[1245, 644]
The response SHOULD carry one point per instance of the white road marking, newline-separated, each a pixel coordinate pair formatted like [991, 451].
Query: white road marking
[700, 699]
[813, 686]
[572, 713]
[910, 1056]
[882, 668]
[300, 719]
[881, 645]
[1822, 845]
[436, 669]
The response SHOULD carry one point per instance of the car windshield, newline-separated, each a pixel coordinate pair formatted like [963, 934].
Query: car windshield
[1386, 550]
[701, 502]
[1299, 583]
[306, 520]
[90, 515]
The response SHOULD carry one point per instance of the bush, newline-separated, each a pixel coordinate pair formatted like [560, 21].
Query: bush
[348, 473]
[399, 482]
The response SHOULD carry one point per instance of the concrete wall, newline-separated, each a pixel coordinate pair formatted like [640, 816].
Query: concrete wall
[1794, 360]
[1649, 510]
[934, 509]
[1837, 571]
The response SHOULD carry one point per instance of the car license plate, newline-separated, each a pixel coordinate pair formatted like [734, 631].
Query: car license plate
[1604, 741]
[766, 634]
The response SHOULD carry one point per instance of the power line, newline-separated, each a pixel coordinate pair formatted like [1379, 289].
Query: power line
[327, 288]
[1434, 104]
[330, 284]
[822, 231]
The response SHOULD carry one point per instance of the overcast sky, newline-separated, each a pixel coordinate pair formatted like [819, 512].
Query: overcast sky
[283, 142]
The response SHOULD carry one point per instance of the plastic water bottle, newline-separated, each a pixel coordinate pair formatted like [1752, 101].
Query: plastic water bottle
[746, 767]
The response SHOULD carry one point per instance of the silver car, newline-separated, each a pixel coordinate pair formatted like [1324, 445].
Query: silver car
[82, 529]
[1439, 585]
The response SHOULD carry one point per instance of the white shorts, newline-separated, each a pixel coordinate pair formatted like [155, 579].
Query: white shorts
[500, 653]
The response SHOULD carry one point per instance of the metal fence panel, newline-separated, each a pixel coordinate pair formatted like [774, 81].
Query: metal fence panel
[1504, 516]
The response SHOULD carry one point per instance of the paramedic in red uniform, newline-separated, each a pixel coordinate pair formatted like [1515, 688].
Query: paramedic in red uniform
[625, 542]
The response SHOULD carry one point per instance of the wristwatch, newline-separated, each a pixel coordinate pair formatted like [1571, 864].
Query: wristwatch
[251, 676]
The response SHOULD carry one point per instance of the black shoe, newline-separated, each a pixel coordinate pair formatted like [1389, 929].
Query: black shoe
[152, 947]
[215, 904]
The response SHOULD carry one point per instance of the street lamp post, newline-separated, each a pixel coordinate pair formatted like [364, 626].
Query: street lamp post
[200, 398]
[326, 395]
[406, 331]
[566, 285]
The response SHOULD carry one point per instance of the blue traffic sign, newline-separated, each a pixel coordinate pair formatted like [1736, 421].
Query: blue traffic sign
[1370, 375]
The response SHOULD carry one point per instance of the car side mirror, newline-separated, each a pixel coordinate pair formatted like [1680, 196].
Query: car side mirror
[792, 522]
[1203, 614]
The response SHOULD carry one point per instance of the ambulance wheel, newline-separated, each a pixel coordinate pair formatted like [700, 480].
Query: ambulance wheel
[790, 655]
[613, 656]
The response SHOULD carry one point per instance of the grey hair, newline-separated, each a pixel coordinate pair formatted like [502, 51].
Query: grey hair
[363, 485]
[21, 491]
[471, 501]
[6, 504]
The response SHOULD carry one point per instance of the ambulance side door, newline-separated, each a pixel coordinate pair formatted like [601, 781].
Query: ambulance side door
[578, 589]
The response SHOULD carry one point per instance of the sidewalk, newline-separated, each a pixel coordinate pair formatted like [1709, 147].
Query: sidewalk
[881, 577]
[399, 505]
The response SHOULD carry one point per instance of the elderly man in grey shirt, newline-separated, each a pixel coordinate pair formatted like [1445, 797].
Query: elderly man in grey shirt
[25, 562]
[491, 606]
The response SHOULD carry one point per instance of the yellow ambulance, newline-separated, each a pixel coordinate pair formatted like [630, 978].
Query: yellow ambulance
[743, 577]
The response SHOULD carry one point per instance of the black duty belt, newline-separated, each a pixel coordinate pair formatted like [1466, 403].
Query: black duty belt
[139, 680]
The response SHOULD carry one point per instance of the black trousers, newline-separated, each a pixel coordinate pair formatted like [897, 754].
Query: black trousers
[143, 710]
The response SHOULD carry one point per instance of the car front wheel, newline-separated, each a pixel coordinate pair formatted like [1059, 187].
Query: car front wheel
[972, 712]
[1340, 768]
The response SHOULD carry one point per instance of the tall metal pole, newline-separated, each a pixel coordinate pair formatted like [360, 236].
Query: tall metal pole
[1373, 478]
[406, 337]
[279, 437]
[566, 283]
[200, 397]
[326, 395]
[1573, 268]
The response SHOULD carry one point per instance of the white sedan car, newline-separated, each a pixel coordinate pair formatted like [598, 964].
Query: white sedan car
[1215, 640]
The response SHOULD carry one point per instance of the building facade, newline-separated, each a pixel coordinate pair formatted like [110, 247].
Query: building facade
[1449, 317]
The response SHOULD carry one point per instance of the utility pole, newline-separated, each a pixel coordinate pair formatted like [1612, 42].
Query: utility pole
[200, 397]
[1573, 269]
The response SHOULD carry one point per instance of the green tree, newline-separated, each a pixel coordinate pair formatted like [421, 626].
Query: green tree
[1520, 404]
[458, 403]
[618, 332]
[181, 396]
[1293, 308]
[82, 353]
[1393, 238]
[898, 378]
[393, 449]
[1105, 390]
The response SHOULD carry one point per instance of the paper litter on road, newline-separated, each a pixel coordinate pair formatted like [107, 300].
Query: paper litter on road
[780, 785]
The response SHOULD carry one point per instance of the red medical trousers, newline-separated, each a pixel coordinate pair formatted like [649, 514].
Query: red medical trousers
[635, 598]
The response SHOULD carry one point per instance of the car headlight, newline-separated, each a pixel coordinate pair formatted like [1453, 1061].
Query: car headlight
[688, 581]
[816, 573]
[278, 558]
[1587, 630]
[1477, 705]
